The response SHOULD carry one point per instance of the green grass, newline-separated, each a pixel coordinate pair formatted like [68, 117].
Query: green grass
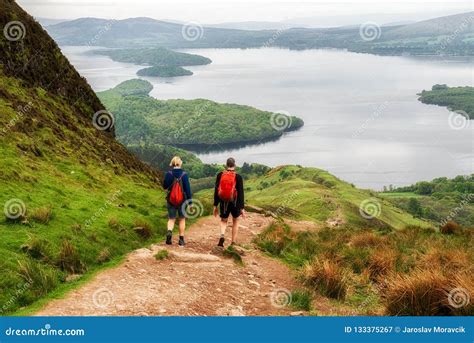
[314, 194]
[81, 202]
[233, 254]
[162, 255]
[301, 300]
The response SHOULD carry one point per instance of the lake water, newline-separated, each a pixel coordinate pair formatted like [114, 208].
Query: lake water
[363, 121]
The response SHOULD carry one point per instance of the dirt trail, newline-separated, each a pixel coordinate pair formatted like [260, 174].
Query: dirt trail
[195, 280]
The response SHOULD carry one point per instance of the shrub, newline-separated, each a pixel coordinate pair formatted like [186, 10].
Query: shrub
[327, 277]
[162, 254]
[301, 300]
[42, 214]
[450, 228]
[69, 259]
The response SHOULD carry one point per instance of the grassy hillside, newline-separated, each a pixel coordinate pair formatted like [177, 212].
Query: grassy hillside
[363, 255]
[72, 197]
[190, 123]
[455, 98]
[442, 200]
[315, 195]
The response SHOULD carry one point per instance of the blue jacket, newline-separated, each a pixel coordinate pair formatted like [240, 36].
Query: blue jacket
[176, 173]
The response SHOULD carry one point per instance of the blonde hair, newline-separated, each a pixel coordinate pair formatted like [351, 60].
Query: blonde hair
[176, 162]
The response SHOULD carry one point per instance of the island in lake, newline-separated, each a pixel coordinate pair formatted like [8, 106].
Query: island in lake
[455, 98]
[163, 62]
[192, 124]
[164, 71]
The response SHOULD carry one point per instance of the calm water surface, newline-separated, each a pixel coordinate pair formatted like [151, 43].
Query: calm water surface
[363, 121]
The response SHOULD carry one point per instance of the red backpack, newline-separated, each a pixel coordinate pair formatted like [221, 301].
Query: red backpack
[176, 194]
[227, 190]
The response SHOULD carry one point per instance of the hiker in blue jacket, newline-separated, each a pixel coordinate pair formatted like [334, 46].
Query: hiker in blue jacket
[177, 208]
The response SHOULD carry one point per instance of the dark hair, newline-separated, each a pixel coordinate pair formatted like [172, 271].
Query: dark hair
[230, 162]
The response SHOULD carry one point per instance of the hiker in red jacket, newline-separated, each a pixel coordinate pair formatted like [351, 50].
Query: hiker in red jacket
[229, 196]
[178, 198]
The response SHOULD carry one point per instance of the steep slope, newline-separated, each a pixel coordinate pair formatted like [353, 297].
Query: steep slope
[72, 197]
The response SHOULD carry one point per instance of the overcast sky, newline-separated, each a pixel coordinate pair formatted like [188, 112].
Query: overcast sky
[218, 11]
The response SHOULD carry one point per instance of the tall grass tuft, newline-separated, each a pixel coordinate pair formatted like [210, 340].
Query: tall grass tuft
[69, 259]
[429, 293]
[42, 214]
[41, 280]
[327, 277]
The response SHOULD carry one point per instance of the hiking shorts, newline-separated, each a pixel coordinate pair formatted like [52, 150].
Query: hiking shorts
[226, 209]
[173, 211]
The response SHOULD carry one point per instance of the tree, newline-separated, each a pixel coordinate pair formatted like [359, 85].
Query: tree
[414, 207]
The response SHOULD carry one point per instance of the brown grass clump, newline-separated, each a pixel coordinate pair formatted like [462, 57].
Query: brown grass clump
[327, 277]
[450, 228]
[449, 261]
[429, 293]
[104, 256]
[69, 259]
[381, 263]
[143, 229]
[366, 240]
[42, 214]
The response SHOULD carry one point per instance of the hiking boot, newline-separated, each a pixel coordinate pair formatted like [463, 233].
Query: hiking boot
[181, 241]
[221, 242]
[169, 237]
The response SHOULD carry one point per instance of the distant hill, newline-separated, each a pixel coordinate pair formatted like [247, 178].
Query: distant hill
[458, 25]
[445, 35]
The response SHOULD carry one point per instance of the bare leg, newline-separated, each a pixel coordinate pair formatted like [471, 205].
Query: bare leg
[171, 224]
[223, 226]
[182, 226]
[235, 228]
